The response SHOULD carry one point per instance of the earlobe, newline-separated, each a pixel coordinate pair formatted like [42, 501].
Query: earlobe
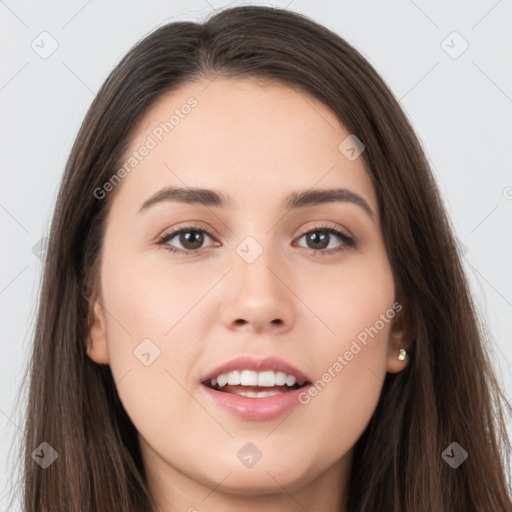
[97, 347]
[400, 343]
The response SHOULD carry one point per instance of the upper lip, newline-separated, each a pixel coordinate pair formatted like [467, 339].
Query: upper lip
[246, 362]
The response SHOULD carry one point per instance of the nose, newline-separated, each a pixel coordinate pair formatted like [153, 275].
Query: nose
[258, 294]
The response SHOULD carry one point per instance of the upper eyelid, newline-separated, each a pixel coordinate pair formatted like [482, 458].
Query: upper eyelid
[176, 231]
[325, 226]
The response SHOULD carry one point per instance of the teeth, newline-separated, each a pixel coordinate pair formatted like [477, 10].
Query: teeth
[267, 378]
[280, 378]
[222, 379]
[248, 378]
[260, 394]
[234, 378]
[290, 380]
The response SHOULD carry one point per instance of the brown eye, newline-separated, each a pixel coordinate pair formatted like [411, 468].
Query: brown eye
[319, 238]
[316, 241]
[190, 238]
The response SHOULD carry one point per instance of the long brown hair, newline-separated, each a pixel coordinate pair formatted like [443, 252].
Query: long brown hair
[448, 392]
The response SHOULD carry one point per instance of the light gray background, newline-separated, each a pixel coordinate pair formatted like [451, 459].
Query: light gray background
[460, 107]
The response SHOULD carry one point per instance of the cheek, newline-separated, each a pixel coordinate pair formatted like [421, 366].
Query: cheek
[356, 312]
[151, 301]
[151, 347]
[150, 328]
[349, 299]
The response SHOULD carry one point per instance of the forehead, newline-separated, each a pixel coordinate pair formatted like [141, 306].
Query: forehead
[248, 137]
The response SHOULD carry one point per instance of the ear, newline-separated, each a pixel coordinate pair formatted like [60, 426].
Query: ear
[400, 336]
[97, 347]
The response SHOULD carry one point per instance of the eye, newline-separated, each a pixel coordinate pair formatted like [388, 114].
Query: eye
[318, 244]
[191, 237]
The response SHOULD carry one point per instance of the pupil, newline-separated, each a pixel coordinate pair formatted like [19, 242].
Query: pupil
[313, 237]
[198, 241]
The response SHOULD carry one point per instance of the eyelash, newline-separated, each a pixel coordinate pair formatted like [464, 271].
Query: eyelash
[348, 241]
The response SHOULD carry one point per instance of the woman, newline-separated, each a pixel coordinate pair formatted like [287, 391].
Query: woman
[311, 346]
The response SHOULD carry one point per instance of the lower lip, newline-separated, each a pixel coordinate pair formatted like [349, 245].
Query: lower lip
[256, 409]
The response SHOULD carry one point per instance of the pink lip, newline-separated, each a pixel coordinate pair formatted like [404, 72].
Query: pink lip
[246, 362]
[256, 409]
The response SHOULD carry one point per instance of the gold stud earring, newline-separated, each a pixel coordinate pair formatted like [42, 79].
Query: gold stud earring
[401, 354]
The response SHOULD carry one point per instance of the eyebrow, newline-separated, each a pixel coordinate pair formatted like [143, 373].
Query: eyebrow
[295, 200]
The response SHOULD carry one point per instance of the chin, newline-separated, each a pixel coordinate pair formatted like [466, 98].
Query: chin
[266, 477]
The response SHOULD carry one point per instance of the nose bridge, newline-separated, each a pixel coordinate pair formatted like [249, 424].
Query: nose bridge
[257, 291]
[257, 263]
[257, 243]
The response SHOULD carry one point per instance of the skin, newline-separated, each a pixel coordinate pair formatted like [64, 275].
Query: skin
[245, 138]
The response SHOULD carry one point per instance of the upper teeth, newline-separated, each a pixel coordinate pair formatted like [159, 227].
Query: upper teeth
[251, 378]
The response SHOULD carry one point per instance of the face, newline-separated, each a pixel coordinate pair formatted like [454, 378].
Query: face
[311, 285]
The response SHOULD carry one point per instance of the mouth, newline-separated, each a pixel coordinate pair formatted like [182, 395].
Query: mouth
[250, 389]
[255, 389]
